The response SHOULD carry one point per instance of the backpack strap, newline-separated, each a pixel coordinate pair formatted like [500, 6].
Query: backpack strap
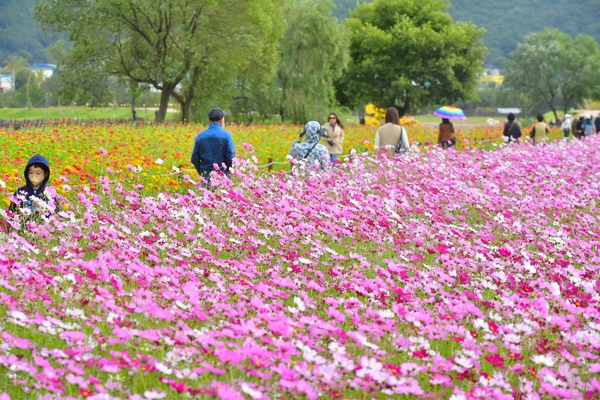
[311, 149]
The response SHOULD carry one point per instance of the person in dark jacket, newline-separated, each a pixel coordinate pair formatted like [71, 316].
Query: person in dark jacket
[579, 128]
[597, 123]
[213, 146]
[35, 199]
[512, 130]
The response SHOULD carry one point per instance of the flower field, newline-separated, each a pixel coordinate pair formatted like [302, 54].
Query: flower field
[80, 155]
[469, 274]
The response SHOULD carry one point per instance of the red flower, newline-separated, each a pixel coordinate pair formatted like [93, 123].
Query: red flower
[504, 252]
[495, 360]
[394, 369]
[516, 356]
[420, 353]
[179, 386]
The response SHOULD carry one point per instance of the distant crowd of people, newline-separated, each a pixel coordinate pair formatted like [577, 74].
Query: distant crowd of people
[579, 127]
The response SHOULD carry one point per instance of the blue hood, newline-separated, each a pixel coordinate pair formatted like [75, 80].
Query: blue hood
[313, 132]
[38, 159]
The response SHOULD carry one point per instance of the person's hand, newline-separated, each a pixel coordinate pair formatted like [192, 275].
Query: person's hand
[331, 142]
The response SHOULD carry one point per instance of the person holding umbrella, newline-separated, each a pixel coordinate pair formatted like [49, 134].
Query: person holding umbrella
[447, 136]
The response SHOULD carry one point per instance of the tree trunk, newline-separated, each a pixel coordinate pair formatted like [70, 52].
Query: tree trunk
[134, 95]
[402, 110]
[187, 105]
[551, 105]
[165, 96]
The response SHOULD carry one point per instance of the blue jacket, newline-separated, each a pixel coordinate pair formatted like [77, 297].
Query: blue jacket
[213, 146]
[588, 127]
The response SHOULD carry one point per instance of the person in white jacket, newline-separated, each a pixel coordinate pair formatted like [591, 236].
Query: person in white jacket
[566, 125]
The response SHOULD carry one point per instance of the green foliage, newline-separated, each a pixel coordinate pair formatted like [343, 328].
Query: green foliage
[182, 48]
[410, 53]
[313, 53]
[549, 66]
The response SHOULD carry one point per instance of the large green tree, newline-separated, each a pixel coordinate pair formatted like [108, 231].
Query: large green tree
[313, 53]
[175, 46]
[550, 67]
[410, 53]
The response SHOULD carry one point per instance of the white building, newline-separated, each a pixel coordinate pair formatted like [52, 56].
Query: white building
[6, 83]
[46, 70]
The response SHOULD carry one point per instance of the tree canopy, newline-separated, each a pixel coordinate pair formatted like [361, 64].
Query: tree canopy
[410, 53]
[175, 46]
[549, 67]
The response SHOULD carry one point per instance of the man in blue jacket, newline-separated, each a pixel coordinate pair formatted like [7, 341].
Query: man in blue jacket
[213, 146]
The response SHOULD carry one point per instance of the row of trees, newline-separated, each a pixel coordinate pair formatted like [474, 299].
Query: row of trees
[287, 57]
[552, 70]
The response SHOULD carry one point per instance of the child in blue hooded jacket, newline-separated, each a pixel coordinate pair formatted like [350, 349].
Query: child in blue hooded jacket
[35, 198]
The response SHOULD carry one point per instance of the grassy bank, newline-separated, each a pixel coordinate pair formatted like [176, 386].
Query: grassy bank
[81, 113]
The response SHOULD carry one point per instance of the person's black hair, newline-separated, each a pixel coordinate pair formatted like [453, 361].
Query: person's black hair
[445, 121]
[540, 117]
[510, 117]
[39, 165]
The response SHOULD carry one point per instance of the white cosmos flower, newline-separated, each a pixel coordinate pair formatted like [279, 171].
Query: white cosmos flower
[152, 395]
[463, 362]
[159, 161]
[255, 394]
[172, 357]
[544, 360]
[186, 373]
[512, 338]
[299, 303]
[335, 347]
[75, 313]
[165, 370]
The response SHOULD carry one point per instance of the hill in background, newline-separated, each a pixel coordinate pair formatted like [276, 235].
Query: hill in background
[20, 33]
[507, 22]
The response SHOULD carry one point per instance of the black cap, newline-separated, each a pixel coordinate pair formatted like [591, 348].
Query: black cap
[216, 114]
